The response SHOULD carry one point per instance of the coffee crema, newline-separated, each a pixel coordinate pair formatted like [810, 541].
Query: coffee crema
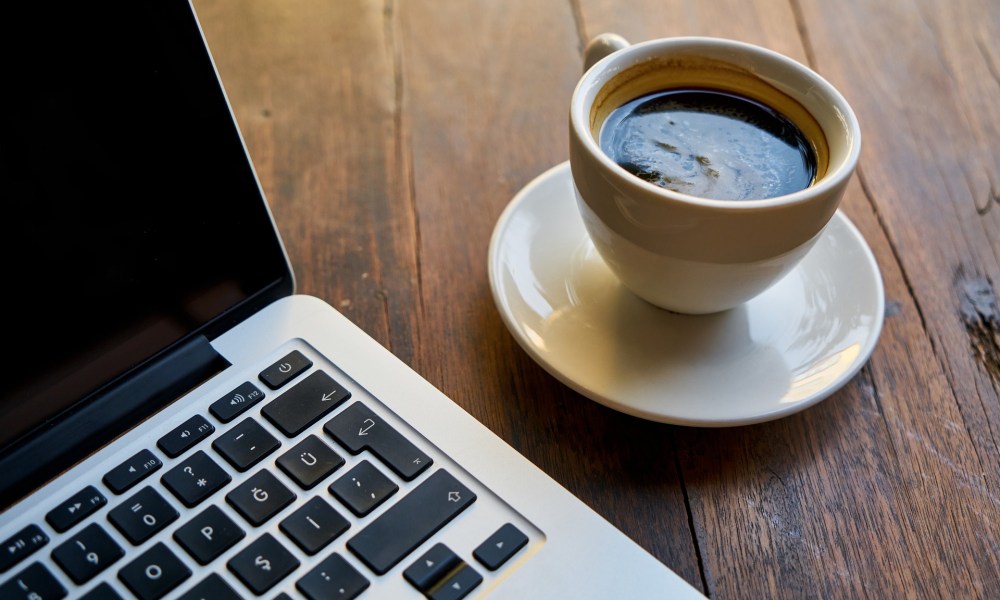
[709, 143]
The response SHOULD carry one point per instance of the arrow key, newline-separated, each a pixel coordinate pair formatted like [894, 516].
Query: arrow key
[458, 585]
[431, 567]
[499, 547]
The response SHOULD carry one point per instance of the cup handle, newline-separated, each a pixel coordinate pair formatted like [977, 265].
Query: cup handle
[601, 46]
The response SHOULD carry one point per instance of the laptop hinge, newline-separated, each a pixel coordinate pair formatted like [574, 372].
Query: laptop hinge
[74, 436]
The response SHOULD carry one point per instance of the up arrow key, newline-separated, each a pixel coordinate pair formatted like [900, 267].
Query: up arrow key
[432, 568]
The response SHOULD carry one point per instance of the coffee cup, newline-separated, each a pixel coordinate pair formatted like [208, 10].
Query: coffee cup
[705, 168]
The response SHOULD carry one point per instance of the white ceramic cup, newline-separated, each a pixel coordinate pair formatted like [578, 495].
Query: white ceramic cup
[689, 254]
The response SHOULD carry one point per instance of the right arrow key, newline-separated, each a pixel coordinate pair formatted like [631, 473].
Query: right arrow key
[499, 547]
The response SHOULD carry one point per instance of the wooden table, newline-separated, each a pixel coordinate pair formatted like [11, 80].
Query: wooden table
[390, 135]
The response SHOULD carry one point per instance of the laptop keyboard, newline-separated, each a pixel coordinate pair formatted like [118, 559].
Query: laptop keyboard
[296, 482]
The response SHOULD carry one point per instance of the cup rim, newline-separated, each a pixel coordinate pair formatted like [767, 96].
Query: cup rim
[601, 72]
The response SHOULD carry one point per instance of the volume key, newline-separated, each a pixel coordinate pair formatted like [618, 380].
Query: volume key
[183, 437]
[235, 402]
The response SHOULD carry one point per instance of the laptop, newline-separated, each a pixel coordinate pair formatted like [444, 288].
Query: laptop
[177, 421]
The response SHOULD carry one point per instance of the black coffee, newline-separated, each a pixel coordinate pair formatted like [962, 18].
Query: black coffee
[709, 144]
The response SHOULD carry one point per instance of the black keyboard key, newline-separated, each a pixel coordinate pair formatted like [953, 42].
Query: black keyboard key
[80, 505]
[212, 587]
[21, 545]
[183, 437]
[245, 444]
[195, 479]
[358, 428]
[236, 402]
[260, 497]
[431, 567]
[32, 583]
[143, 515]
[409, 522]
[285, 369]
[457, 585]
[309, 461]
[499, 547]
[132, 471]
[208, 535]
[363, 488]
[305, 403]
[154, 574]
[87, 553]
[102, 591]
[262, 564]
[332, 578]
[314, 525]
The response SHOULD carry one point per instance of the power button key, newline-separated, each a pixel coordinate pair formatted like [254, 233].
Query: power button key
[285, 369]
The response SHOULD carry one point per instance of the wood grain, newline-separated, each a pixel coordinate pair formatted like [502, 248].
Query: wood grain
[390, 135]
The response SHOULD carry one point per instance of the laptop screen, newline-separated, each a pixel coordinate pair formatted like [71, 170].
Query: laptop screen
[132, 216]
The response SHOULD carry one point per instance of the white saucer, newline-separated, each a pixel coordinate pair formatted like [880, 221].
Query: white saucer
[780, 353]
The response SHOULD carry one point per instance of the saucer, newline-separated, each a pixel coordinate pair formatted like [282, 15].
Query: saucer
[778, 354]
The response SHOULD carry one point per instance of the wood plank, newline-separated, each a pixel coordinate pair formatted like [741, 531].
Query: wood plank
[923, 80]
[797, 508]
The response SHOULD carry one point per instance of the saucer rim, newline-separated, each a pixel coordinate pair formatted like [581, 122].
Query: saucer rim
[562, 170]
